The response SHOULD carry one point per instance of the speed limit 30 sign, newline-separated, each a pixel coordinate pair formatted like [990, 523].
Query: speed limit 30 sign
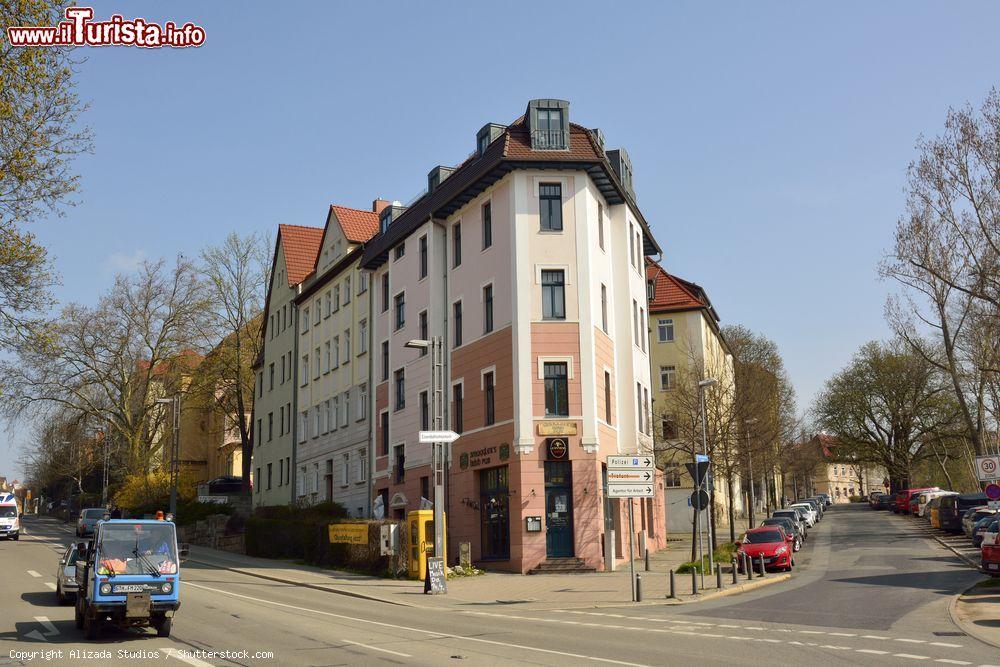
[987, 468]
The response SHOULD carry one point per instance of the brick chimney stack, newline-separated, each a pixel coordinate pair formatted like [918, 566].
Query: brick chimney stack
[379, 204]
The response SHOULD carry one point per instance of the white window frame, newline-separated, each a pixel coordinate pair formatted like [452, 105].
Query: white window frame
[362, 466]
[362, 336]
[345, 472]
[665, 325]
[362, 402]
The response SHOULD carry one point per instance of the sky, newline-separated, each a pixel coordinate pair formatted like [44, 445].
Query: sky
[769, 140]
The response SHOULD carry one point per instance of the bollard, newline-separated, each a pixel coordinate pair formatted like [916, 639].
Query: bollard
[638, 588]
[763, 571]
[735, 580]
[694, 581]
[647, 559]
[718, 577]
[673, 591]
[748, 564]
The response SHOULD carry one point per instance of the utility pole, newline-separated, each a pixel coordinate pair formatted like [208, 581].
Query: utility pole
[750, 518]
[175, 403]
[704, 384]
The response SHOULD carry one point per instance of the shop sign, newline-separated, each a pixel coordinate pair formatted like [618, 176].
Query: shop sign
[558, 449]
[480, 457]
[348, 533]
[563, 427]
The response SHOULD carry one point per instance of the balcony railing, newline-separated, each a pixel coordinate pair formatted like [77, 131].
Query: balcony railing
[551, 140]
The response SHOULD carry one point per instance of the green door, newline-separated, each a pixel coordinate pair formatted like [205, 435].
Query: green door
[558, 509]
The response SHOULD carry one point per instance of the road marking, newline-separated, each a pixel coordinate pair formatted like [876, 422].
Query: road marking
[872, 651]
[842, 634]
[873, 637]
[946, 644]
[910, 656]
[50, 585]
[412, 629]
[189, 659]
[34, 574]
[952, 662]
[376, 648]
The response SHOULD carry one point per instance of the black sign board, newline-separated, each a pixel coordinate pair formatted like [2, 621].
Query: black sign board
[435, 583]
[699, 500]
[558, 448]
[702, 471]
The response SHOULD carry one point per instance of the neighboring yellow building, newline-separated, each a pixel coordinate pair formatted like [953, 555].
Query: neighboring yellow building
[819, 470]
[687, 346]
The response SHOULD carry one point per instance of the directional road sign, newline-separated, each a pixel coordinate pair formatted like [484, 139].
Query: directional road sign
[631, 477]
[987, 468]
[425, 437]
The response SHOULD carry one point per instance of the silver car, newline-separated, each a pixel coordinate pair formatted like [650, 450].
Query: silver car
[66, 587]
[88, 519]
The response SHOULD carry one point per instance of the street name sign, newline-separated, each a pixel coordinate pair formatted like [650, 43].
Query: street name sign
[987, 468]
[430, 437]
[631, 477]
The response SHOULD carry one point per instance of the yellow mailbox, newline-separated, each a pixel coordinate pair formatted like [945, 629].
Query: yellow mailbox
[420, 532]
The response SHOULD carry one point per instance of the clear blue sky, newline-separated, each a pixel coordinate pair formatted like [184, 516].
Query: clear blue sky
[769, 140]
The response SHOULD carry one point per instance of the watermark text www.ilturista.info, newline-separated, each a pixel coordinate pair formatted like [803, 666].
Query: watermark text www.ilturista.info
[79, 29]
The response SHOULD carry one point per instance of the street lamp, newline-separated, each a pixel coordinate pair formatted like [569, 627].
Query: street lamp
[175, 402]
[747, 423]
[439, 453]
[704, 384]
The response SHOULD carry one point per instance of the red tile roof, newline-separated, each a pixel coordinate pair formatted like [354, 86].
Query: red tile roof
[301, 246]
[358, 225]
[671, 293]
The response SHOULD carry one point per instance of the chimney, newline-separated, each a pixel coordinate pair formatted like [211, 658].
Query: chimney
[379, 204]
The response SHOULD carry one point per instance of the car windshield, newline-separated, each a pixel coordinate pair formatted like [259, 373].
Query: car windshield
[763, 537]
[141, 548]
[791, 514]
[7, 511]
[71, 556]
[93, 514]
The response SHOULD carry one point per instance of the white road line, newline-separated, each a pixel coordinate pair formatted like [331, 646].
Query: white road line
[50, 585]
[872, 651]
[911, 641]
[952, 662]
[873, 637]
[34, 574]
[376, 648]
[412, 629]
[842, 634]
[946, 644]
[189, 659]
[910, 656]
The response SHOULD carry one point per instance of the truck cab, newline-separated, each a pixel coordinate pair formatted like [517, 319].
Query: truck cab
[128, 576]
[10, 517]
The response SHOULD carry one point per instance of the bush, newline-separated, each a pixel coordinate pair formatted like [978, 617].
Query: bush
[152, 490]
[723, 554]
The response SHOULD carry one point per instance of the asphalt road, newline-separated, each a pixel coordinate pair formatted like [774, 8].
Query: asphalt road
[868, 591]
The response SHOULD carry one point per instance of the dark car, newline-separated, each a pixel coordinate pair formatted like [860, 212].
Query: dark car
[796, 515]
[953, 508]
[225, 484]
[789, 527]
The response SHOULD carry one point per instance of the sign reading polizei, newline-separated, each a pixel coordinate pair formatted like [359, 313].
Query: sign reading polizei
[631, 476]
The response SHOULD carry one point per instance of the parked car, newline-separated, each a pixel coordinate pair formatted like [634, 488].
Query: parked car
[771, 542]
[873, 499]
[972, 516]
[904, 498]
[225, 484]
[827, 501]
[788, 526]
[820, 505]
[884, 502]
[952, 508]
[796, 515]
[981, 526]
[934, 509]
[991, 559]
[66, 586]
[88, 520]
[924, 499]
[809, 511]
[990, 533]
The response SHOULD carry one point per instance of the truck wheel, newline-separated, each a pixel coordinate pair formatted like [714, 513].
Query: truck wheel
[91, 627]
[78, 615]
[16, 537]
[163, 627]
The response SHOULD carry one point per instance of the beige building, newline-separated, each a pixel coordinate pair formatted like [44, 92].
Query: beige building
[820, 470]
[686, 346]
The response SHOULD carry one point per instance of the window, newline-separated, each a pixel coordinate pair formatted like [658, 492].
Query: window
[549, 130]
[635, 322]
[270, 469]
[384, 418]
[643, 329]
[423, 256]
[425, 415]
[488, 309]
[260, 431]
[385, 292]
[456, 242]
[645, 407]
[362, 337]
[345, 470]
[672, 475]
[260, 384]
[256, 480]
[362, 402]
[459, 411]
[334, 412]
[600, 225]
[303, 426]
[283, 373]
[347, 345]
[553, 295]
[305, 320]
[457, 318]
[665, 330]
[324, 422]
[288, 469]
[425, 487]
[400, 251]
[400, 457]
[667, 377]
[362, 465]
[326, 304]
[650, 292]
[315, 422]
[271, 374]
[270, 426]
[604, 308]
[347, 290]
[336, 298]
[362, 282]
[270, 327]
[607, 397]
[316, 364]
[327, 357]
[316, 314]
[642, 413]
[400, 310]
[487, 225]
[345, 417]
[304, 370]
[631, 244]
[422, 325]
[556, 389]
[385, 361]
[331, 417]
[669, 429]
[488, 395]
[550, 207]
[638, 249]
[400, 389]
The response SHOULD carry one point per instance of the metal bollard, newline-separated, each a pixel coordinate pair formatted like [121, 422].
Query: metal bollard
[694, 581]
[718, 577]
[638, 588]
[673, 591]
[748, 564]
[647, 559]
[763, 571]
[735, 580]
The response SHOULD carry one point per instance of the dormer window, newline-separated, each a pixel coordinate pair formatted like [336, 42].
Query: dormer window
[385, 219]
[484, 143]
[549, 124]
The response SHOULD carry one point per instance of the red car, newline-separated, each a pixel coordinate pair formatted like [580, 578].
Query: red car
[991, 559]
[772, 542]
[905, 497]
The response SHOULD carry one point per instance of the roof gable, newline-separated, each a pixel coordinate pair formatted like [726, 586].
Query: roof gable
[672, 293]
[301, 248]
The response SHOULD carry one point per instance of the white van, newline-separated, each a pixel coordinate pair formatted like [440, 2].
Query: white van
[10, 520]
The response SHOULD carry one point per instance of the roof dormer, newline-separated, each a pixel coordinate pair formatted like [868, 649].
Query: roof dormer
[548, 123]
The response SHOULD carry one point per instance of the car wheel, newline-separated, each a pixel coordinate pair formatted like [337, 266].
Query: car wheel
[59, 594]
[16, 537]
[163, 627]
[91, 627]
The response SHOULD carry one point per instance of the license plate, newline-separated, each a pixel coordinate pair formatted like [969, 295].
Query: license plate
[994, 566]
[128, 588]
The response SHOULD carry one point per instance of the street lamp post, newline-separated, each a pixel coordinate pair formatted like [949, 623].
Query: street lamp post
[748, 422]
[704, 384]
[439, 451]
[175, 402]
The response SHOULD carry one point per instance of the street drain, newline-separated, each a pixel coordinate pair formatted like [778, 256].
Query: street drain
[950, 634]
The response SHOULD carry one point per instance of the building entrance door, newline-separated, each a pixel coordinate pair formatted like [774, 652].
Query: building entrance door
[558, 509]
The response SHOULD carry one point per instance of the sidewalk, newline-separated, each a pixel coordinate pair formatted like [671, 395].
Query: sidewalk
[540, 591]
[977, 612]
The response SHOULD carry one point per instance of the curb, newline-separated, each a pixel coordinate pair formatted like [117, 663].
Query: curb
[964, 558]
[965, 626]
[318, 587]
